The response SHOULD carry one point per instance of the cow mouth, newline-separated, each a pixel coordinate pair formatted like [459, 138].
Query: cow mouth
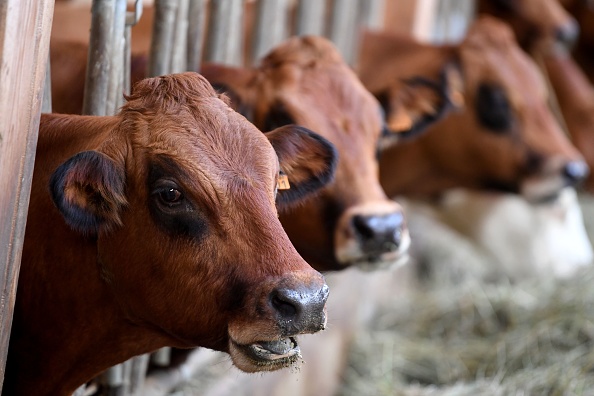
[272, 355]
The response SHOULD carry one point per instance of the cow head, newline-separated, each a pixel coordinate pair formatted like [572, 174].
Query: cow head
[181, 200]
[535, 20]
[304, 81]
[505, 137]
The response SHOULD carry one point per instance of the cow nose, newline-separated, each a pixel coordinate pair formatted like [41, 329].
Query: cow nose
[300, 309]
[379, 233]
[575, 172]
[568, 33]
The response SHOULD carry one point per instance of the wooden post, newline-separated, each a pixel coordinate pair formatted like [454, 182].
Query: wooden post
[310, 17]
[224, 32]
[270, 28]
[196, 31]
[25, 27]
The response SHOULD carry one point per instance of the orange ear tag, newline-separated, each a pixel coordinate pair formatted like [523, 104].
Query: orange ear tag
[283, 182]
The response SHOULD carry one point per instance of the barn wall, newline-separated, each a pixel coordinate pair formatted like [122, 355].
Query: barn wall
[21, 81]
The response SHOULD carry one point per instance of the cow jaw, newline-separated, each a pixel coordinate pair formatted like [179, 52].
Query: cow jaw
[265, 355]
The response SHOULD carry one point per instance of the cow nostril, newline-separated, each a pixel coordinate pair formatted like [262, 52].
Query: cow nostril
[364, 226]
[568, 34]
[380, 232]
[575, 171]
[284, 303]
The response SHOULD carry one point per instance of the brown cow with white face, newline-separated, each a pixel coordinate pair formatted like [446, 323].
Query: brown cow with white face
[158, 226]
[546, 32]
[532, 20]
[304, 81]
[504, 138]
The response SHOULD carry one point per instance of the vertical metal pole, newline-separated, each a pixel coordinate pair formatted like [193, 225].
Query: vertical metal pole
[162, 38]
[425, 16]
[132, 19]
[138, 373]
[116, 71]
[343, 31]
[372, 13]
[46, 105]
[271, 26]
[224, 43]
[196, 30]
[180, 37]
[310, 17]
[97, 75]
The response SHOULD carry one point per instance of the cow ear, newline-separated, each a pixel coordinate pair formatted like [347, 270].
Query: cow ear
[412, 105]
[88, 189]
[233, 82]
[307, 159]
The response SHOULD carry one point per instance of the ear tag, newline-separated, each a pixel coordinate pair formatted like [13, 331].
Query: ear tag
[283, 181]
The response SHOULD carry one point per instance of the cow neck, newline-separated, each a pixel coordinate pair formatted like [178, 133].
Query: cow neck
[73, 324]
[408, 169]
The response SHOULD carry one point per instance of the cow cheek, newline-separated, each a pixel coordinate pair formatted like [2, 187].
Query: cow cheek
[137, 264]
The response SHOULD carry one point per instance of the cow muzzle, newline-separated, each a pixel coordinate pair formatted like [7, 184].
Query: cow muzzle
[292, 307]
[372, 236]
[556, 175]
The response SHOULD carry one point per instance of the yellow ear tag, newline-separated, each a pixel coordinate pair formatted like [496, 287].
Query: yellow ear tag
[283, 182]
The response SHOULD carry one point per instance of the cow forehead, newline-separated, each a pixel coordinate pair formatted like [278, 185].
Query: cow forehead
[491, 55]
[217, 144]
[326, 97]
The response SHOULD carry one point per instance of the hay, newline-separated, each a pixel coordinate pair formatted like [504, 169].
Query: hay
[529, 338]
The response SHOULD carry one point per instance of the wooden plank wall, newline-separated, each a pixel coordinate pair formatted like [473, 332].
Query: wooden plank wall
[22, 73]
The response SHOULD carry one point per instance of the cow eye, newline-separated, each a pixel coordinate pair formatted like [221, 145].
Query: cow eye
[170, 196]
[493, 109]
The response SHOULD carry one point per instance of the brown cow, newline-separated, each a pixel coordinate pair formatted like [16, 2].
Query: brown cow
[159, 227]
[532, 20]
[505, 137]
[305, 81]
[546, 31]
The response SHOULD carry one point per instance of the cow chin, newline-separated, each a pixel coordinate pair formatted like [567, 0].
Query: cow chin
[351, 253]
[265, 355]
[542, 189]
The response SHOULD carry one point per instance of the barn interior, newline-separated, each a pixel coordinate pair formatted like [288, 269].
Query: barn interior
[496, 296]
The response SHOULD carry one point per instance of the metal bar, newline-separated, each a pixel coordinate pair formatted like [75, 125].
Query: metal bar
[46, 105]
[180, 38]
[97, 76]
[224, 43]
[161, 357]
[310, 17]
[425, 15]
[271, 26]
[372, 13]
[343, 31]
[162, 38]
[196, 30]
[132, 19]
[116, 71]
[138, 373]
